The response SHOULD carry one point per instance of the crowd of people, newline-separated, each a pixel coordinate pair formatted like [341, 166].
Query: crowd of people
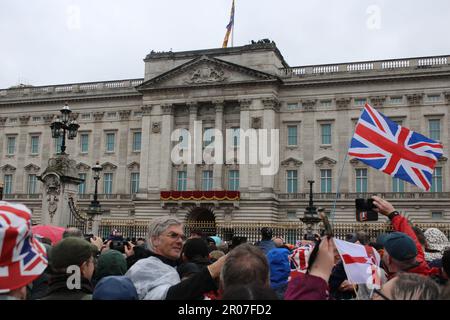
[415, 264]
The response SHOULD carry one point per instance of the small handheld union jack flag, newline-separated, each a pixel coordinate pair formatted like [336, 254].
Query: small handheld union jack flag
[386, 146]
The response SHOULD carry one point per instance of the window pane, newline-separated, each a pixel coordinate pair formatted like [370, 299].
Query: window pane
[436, 215]
[82, 185]
[182, 182]
[292, 135]
[292, 215]
[233, 181]
[292, 181]
[435, 129]
[325, 180]
[31, 184]
[398, 185]
[11, 145]
[134, 187]
[137, 141]
[107, 183]
[361, 180]
[207, 181]
[7, 188]
[184, 139]
[84, 142]
[110, 137]
[34, 144]
[326, 133]
[436, 185]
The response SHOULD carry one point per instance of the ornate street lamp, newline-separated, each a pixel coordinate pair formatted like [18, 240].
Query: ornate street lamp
[310, 217]
[60, 126]
[95, 204]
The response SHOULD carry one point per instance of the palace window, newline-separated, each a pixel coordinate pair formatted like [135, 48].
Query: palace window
[361, 180]
[292, 135]
[292, 182]
[233, 180]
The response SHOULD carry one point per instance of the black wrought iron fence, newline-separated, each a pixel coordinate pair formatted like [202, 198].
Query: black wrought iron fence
[290, 232]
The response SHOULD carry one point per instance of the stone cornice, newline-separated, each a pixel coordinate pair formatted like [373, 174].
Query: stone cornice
[167, 109]
[309, 105]
[377, 101]
[343, 103]
[124, 114]
[414, 99]
[146, 109]
[98, 115]
[24, 119]
[245, 104]
[3, 120]
[290, 161]
[271, 103]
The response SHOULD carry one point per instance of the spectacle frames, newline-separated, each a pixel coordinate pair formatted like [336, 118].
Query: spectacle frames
[176, 236]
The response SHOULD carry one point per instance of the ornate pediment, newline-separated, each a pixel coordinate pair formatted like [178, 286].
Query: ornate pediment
[203, 71]
[32, 168]
[108, 166]
[82, 167]
[133, 166]
[8, 168]
[291, 161]
[325, 161]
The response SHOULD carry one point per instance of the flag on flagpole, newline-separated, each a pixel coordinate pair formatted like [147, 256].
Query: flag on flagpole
[386, 146]
[361, 263]
[229, 27]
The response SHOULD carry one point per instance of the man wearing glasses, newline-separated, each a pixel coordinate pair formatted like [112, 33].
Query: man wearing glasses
[156, 277]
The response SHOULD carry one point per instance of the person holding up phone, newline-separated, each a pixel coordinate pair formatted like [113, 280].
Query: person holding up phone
[402, 250]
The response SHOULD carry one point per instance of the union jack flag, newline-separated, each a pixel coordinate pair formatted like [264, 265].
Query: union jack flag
[386, 146]
[22, 258]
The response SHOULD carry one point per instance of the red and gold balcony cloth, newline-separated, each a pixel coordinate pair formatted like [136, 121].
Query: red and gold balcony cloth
[200, 195]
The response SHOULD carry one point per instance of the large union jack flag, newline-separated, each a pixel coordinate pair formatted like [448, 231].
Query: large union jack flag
[22, 258]
[384, 145]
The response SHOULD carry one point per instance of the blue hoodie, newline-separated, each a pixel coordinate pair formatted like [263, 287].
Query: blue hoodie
[279, 267]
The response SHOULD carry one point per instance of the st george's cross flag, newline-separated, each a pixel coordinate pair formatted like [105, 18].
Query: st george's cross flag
[361, 263]
[386, 146]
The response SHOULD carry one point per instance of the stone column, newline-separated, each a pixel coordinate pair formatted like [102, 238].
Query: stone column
[166, 147]
[191, 168]
[123, 134]
[244, 125]
[218, 168]
[60, 185]
[271, 107]
[145, 163]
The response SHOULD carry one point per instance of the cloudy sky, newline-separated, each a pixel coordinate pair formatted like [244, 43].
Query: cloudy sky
[65, 41]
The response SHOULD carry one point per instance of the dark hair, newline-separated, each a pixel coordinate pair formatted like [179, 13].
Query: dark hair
[72, 232]
[249, 292]
[245, 265]
[266, 233]
[411, 286]
[197, 231]
[420, 236]
[446, 261]
[195, 248]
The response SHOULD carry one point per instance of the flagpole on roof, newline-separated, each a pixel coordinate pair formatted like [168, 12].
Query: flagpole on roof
[234, 24]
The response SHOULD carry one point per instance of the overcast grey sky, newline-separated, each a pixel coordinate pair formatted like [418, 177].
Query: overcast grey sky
[64, 41]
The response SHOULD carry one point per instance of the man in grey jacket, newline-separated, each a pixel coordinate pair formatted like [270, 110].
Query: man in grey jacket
[156, 277]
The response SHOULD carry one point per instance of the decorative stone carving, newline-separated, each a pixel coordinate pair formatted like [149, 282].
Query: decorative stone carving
[98, 115]
[133, 166]
[291, 161]
[443, 159]
[82, 167]
[108, 166]
[52, 185]
[245, 104]
[256, 122]
[355, 162]
[24, 119]
[447, 96]
[8, 168]
[414, 99]
[75, 115]
[377, 101]
[156, 127]
[167, 109]
[3, 120]
[343, 103]
[309, 105]
[206, 74]
[146, 109]
[61, 166]
[32, 168]
[48, 118]
[124, 114]
[271, 103]
[192, 107]
[325, 161]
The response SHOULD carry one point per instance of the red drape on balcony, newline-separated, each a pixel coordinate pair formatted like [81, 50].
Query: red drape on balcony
[200, 195]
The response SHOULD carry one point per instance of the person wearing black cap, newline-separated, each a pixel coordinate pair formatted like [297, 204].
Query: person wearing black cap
[402, 250]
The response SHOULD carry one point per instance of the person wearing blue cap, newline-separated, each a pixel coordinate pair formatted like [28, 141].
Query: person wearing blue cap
[115, 288]
[402, 250]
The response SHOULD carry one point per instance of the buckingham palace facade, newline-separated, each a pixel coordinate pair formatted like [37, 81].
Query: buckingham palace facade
[127, 125]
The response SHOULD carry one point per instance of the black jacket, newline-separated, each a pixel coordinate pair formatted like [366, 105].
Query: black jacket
[58, 289]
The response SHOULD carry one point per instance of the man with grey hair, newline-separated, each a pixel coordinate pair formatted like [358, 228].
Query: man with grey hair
[72, 232]
[156, 277]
